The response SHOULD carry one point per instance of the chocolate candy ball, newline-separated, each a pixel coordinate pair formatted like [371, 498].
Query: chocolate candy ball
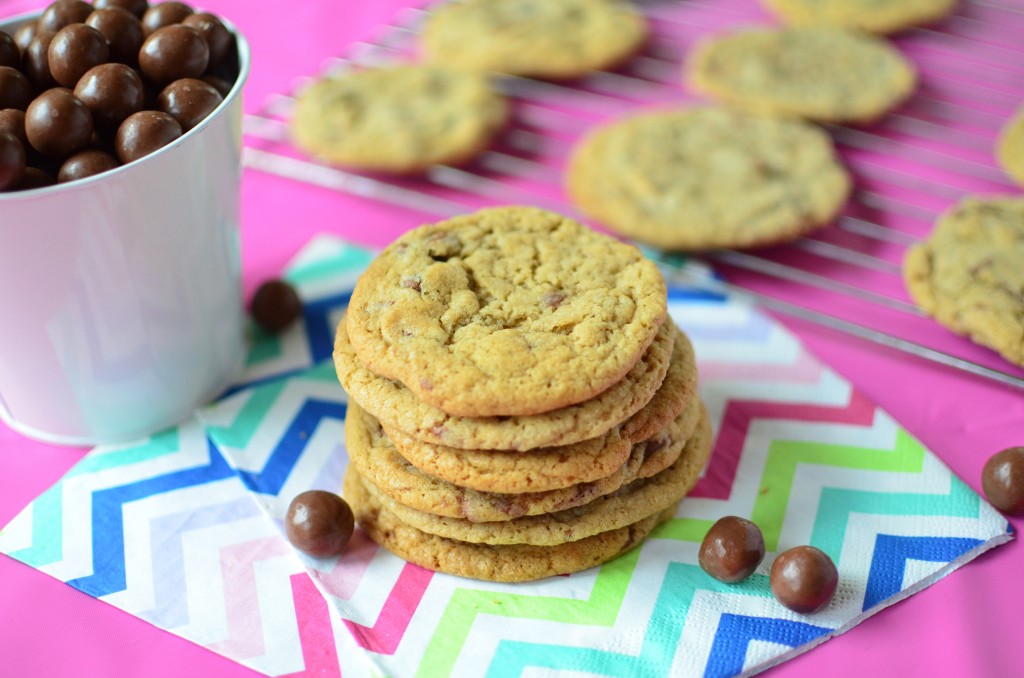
[122, 31]
[12, 121]
[189, 101]
[804, 579]
[86, 164]
[15, 89]
[218, 37]
[136, 7]
[74, 50]
[319, 523]
[58, 124]
[34, 178]
[24, 35]
[111, 92]
[172, 53]
[64, 13]
[35, 62]
[10, 53]
[144, 132]
[164, 14]
[219, 84]
[275, 305]
[1002, 479]
[732, 549]
[12, 161]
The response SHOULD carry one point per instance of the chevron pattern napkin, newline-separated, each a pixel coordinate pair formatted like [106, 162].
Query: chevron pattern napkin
[184, 529]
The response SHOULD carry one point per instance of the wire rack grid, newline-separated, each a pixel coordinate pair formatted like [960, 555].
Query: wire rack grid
[908, 168]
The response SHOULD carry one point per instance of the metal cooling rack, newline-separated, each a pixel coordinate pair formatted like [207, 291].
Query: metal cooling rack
[910, 167]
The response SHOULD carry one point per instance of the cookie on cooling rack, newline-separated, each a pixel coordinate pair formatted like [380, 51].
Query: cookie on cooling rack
[553, 39]
[1011, 147]
[824, 74]
[875, 16]
[706, 178]
[968, 275]
[399, 119]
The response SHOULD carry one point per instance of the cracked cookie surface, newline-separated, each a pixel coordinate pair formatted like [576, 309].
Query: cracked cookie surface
[623, 507]
[508, 311]
[875, 16]
[514, 563]
[399, 119]
[554, 39]
[398, 408]
[553, 468]
[1010, 150]
[824, 74]
[707, 177]
[968, 274]
[377, 460]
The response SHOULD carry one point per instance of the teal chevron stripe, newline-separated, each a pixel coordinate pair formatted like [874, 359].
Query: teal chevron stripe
[351, 259]
[263, 345]
[661, 640]
[48, 509]
[836, 505]
[240, 432]
[160, 444]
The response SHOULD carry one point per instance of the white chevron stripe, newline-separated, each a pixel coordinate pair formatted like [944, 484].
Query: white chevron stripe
[138, 539]
[274, 424]
[323, 448]
[294, 355]
[705, 612]
[283, 649]
[373, 591]
[77, 492]
[17, 534]
[205, 589]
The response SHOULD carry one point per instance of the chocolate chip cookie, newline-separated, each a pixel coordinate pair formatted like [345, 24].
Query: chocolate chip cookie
[510, 311]
[399, 119]
[1011, 147]
[875, 16]
[554, 39]
[968, 274]
[824, 74]
[707, 177]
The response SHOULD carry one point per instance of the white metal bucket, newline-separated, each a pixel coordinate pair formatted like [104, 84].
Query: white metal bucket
[120, 295]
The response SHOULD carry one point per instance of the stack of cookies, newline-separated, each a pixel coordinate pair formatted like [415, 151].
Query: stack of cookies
[520, 404]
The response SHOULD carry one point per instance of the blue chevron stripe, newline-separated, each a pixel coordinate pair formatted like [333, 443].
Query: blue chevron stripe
[734, 633]
[695, 294]
[889, 562]
[107, 520]
[166, 532]
[288, 450]
[319, 330]
[660, 643]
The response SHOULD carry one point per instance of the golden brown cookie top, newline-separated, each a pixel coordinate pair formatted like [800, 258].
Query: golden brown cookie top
[708, 177]
[399, 119]
[969, 273]
[875, 16]
[821, 73]
[553, 39]
[508, 311]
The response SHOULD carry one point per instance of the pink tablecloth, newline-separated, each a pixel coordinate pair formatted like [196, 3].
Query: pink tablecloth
[964, 625]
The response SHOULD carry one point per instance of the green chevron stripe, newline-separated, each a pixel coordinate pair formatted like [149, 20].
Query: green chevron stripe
[683, 529]
[907, 456]
[837, 504]
[600, 609]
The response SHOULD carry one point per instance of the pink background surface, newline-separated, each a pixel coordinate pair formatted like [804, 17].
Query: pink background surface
[965, 625]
